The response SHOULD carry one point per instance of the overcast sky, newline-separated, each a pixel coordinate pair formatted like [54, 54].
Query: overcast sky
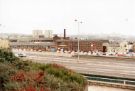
[98, 16]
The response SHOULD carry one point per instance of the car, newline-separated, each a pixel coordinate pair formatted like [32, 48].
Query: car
[104, 53]
[20, 55]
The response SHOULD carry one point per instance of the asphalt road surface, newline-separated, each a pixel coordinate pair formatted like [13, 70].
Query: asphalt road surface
[98, 66]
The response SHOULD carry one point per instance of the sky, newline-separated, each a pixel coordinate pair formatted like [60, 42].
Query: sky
[98, 16]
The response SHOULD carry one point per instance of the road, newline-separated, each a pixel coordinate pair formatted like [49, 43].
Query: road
[97, 66]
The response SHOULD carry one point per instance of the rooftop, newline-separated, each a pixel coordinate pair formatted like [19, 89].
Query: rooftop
[33, 43]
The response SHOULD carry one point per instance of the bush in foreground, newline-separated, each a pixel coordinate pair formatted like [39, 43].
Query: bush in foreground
[19, 75]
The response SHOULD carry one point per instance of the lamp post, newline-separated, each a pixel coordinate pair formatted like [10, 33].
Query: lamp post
[78, 49]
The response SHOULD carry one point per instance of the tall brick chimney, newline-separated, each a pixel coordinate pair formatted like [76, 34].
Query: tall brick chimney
[64, 33]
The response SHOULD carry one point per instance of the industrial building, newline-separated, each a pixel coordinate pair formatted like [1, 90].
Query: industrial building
[58, 43]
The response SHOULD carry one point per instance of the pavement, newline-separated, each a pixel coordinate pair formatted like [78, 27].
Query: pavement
[98, 66]
[103, 88]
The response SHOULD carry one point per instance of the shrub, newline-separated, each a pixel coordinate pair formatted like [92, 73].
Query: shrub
[67, 76]
[19, 75]
[7, 55]
[22, 65]
[12, 86]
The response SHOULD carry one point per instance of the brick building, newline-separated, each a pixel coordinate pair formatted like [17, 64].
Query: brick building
[84, 45]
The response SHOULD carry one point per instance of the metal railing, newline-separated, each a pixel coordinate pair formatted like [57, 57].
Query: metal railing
[112, 80]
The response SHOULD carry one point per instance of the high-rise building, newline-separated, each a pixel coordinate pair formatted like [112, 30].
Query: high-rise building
[37, 33]
[48, 33]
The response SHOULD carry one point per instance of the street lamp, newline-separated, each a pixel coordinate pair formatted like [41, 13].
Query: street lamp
[78, 24]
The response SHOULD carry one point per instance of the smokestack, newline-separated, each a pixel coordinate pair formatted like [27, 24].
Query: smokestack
[64, 33]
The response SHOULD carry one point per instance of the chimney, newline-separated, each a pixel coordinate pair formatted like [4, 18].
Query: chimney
[64, 33]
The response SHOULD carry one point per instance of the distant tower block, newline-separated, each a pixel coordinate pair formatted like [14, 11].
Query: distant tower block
[48, 34]
[37, 33]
